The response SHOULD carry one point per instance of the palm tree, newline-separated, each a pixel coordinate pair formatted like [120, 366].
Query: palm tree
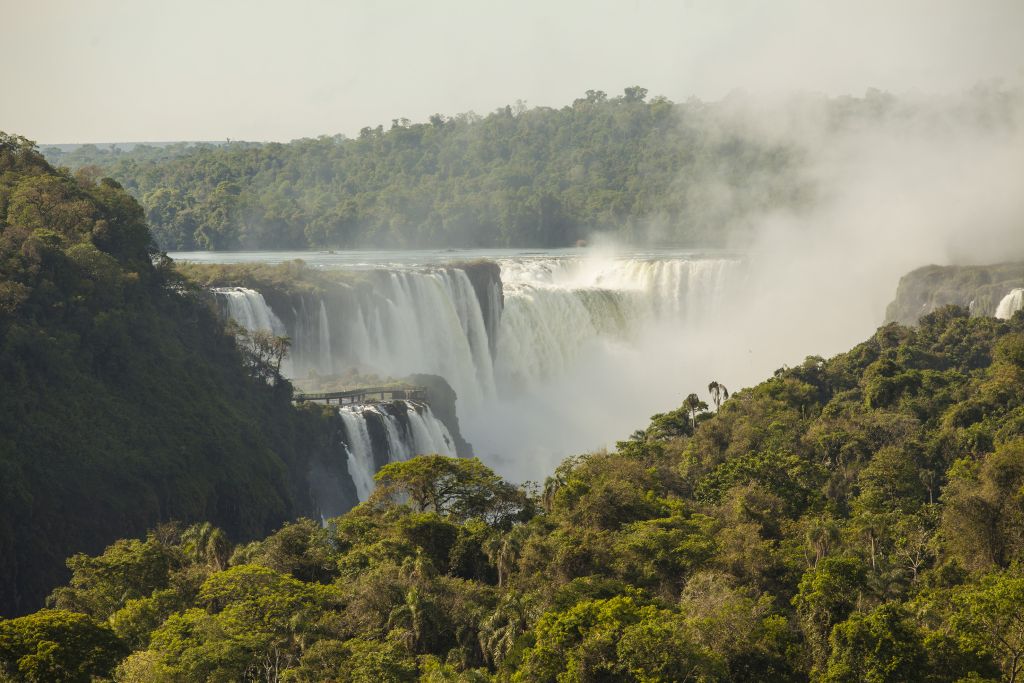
[692, 403]
[503, 550]
[551, 487]
[822, 535]
[718, 393]
[417, 621]
[207, 544]
[500, 631]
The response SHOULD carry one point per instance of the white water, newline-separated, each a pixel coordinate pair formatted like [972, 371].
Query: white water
[558, 309]
[359, 450]
[423, 434]
[248, 308]
[586, 347]
[1010, 304]
[404, 322]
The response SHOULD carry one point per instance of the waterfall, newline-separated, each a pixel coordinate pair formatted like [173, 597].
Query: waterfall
[324, 339]
[547, 354]
[403, 322]
[688, 289]
[248, 308]
[409, 429]
[1010, 304]
[359, 451]
[555, 308]
[488, 332]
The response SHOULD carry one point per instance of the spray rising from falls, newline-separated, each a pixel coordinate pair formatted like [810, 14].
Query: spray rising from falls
[519, 340]
[378, 434]
[1010, 304]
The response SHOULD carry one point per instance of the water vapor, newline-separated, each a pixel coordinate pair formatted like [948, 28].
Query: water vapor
[897, 183]
[892, 183]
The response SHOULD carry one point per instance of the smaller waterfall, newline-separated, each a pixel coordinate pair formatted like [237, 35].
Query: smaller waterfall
[404, 429]
[248, 308]
[325, 340]
[1011, 303]
[359, 451]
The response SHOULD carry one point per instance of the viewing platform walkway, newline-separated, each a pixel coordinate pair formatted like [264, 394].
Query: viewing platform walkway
[365, 395]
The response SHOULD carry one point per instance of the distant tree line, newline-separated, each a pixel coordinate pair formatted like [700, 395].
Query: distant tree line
[639, 167]
[644, 169]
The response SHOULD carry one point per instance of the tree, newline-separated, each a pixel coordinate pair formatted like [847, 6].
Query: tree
[822, 535]
[614, 639]
[56, 646]
[206, 544]
[457, 487]
[500, 631]
[635, 94]
[883, 646]
[262, 351]
[128, 569]
[988, 616]
[983, 515]
[718, 394]
[693, 405]
[503, 550]
[253, 624]
[826, 596]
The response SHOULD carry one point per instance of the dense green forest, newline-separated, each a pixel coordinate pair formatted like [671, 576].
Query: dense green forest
[853, 519]
[123, 402]
[641, 168]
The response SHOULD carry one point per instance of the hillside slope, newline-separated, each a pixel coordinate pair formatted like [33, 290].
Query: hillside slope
[853, 519]
[122, 401]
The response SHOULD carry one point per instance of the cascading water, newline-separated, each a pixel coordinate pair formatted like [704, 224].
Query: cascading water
[399, 323]
[248, 308]
[405, 429]
[555, 308]
[505, 338]
[548, 355]
[1010, 304]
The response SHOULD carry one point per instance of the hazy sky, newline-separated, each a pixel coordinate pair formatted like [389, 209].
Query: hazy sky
[123, 70]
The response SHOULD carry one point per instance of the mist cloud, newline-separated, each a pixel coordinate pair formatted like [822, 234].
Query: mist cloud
[895, 183]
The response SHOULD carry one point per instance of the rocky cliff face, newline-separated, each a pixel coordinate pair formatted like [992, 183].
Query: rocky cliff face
[977, 288]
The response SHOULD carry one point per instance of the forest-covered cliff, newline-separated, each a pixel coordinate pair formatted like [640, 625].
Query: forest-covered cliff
[853, 519]
[123, 403]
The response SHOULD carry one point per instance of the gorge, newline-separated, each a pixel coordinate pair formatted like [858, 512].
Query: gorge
[511, 334]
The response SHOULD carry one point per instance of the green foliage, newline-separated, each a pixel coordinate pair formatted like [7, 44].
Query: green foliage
[56, 646]
[826, 596]
[882, 646]
[123, 403]
[611, 639]
[456, 487]
[516, 177]
[850, 519]
[983, 515]
[987, 617]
